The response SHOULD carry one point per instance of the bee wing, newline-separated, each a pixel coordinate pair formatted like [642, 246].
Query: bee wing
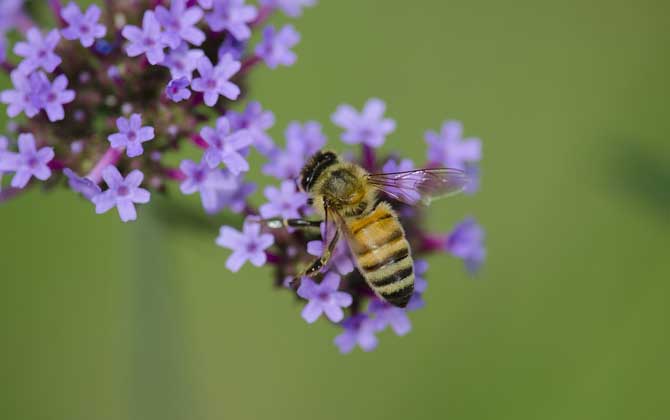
[420, 186]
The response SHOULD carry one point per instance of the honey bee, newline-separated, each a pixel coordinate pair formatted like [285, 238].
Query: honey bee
[347, 195]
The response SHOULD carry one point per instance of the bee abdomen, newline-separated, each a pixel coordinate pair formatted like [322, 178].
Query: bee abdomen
[383, 256]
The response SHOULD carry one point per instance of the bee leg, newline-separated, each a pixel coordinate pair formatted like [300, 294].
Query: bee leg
[279, 223]
[315, 267]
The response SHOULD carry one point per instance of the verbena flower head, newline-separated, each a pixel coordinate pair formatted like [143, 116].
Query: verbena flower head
[109, 111]
[368, 127]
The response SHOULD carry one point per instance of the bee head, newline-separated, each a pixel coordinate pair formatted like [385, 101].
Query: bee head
[315, 167]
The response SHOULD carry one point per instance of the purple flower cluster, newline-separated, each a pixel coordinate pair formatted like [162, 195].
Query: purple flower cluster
[121, 102]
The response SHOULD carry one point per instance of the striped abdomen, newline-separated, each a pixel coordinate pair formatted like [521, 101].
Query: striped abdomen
[377, 241]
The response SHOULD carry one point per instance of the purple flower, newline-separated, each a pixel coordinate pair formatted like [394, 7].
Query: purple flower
[28, 162]
[207, 181]
[215, 81]
[340, 259]
[225, 146]
[131, 135]
[392, 166]
[148, 40]
[292, 8]
[206, 4]
[248, 245]
[179, 23]
[122, 193]
[52, 96]
[389, 315]
[420, 285]
[177, 89]
[275, 48]
[10, 13]
[38, 51]
[182, 61]
[24, 97]
[3, 48]
[82, 185]
[256, 121]
[466, 241]
[232, 46]
[358, 330]
[323, 298]
[449, 149]
[84, 27]
[285, 201]
[369, 127]
[302, 141]
[233, 16]
[236, 199]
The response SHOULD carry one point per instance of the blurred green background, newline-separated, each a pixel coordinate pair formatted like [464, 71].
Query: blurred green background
[568, 319]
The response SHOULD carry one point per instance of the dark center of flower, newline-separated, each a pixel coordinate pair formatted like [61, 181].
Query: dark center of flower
[33, 162]
[211, 83]
[149, 42]
[252, 247]
[199, 176]
[51, 97]
[323, 296]
[84, 28]
[366, 133]
[122, 191]
[132, 136]
[42, 53]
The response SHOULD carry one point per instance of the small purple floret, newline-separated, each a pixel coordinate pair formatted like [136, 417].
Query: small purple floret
[148, 40]
[28, 162]
[248, 245]
[214, 81]
[233, 16]
[323, 298]
[369, 127]
[82, 26]
[210, 183]
[177, 90]
[285, 202]
[386, 315]
[256, 121]
[131, 135]
[292, 8]
[275, 49]
[180, 23]
[466, 242]
[122, 193]
[82, 185]
[225, 146]
[449, 149]
[38, 51]
[358, 330]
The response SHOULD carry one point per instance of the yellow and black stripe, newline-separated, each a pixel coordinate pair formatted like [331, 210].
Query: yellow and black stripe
[383, 255]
